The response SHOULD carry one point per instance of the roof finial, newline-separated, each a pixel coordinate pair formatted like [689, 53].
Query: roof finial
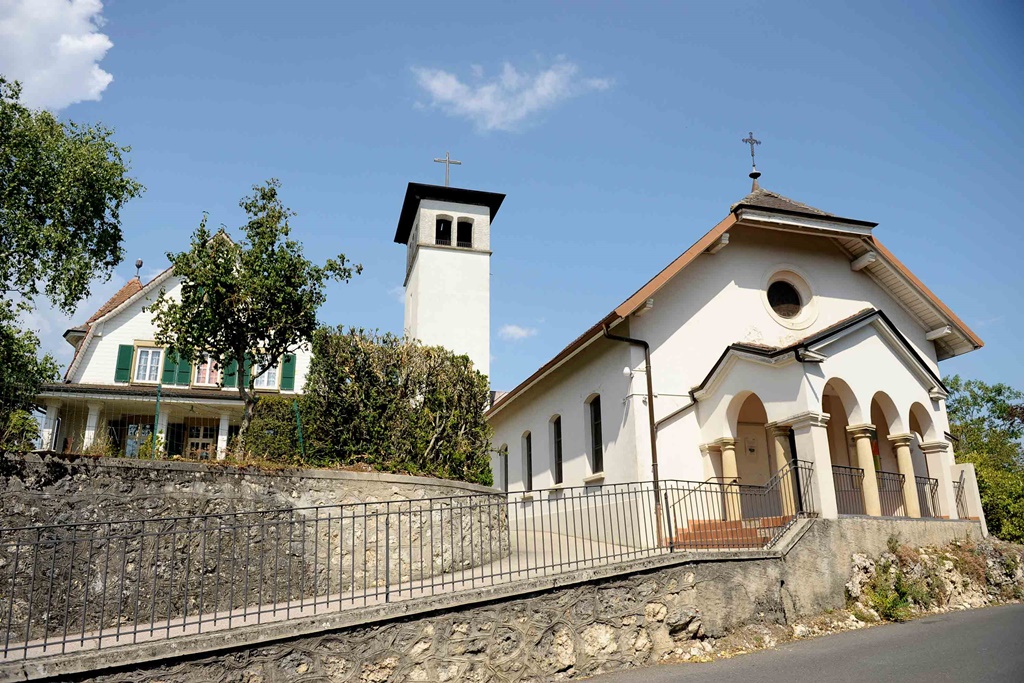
[754, 173]
[138, 267]
[448, 163]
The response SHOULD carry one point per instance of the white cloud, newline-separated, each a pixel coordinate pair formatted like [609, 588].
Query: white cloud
[397, 293]
[53, 47]
[504, 102]
[516, 332]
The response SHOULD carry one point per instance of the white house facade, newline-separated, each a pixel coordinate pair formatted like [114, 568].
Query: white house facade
[784, 334]
[122, 386]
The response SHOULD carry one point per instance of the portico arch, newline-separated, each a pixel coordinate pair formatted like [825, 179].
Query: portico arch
[922, 424]
[753, 461]
[839, 401]
[886, 419]
[892, 458]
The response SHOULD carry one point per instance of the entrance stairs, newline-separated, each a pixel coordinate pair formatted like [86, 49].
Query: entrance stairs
[744, 534]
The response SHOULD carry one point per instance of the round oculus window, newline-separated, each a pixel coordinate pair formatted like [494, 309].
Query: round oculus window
[784, 299]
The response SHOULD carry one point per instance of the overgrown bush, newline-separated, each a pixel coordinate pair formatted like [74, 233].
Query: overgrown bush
[395, 405]
[273, 433]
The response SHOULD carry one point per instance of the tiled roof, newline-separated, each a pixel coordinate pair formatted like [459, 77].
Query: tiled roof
[767, 199]
[131, 287]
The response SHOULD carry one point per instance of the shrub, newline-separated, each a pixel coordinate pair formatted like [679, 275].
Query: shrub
[273, 433]
[395, 405]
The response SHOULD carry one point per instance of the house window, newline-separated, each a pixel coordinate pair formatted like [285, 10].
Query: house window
[528, 461]
[556, 448]
[147, 366]
[443, 231]
[503, 465]
[207, 373]
[464, 235]
[596, 437]
[268, 380]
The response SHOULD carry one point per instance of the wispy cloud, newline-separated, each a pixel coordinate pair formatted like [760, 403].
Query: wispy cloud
[509, 99]
[516, 332]
[54, 48]
[397, 294]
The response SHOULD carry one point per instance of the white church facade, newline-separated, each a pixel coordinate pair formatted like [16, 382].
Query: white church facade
[785, 334]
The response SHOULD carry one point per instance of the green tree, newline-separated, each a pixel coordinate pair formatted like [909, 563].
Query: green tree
[988, 422]
[247, 302]
[395, 405]
[62, 187]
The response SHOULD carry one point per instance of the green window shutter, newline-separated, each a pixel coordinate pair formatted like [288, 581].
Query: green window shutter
[123, 369]
[231, 374]
[184, 376]
[170, 365]
[288, 373]
[247, 375]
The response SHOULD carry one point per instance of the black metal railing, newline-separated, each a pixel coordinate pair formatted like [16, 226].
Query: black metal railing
[718, 514]
[890, 493]
[68, 587]
[443, 241]
[928, 495]
[959, 492]
[464, 244]
[849, 485]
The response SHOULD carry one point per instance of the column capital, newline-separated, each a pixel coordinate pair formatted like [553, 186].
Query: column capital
[808, 418]
[726, 442]
[710, 447]
[94, 406]
[53, 403]
[777, 429]
[862, 431]
[934, 446]
[901, 439]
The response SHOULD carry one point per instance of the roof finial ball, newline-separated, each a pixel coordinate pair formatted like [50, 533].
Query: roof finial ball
[754, 173]
[138, 268]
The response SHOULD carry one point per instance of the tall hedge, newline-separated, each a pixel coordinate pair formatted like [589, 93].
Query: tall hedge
[395, 405]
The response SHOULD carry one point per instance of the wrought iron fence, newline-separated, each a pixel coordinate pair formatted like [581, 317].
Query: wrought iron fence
[849, 485]
[961, 497]
[726, 514]
[890, 493]
[93, 585]
[928, 495]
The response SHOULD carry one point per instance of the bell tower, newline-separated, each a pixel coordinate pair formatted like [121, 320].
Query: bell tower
[447, 233]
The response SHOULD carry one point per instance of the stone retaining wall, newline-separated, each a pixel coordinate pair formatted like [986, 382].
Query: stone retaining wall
[601, 621]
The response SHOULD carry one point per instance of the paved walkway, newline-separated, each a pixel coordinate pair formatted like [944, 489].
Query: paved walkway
[976, 646]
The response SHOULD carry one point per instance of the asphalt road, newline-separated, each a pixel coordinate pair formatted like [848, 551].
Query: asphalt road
[975, 646]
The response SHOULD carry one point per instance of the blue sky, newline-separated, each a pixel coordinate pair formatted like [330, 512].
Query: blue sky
[614, 129]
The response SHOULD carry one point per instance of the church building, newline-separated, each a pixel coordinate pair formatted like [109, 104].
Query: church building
[784, 335]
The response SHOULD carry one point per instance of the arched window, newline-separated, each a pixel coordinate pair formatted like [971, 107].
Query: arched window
[503, 467]
[556, 448]
[464, 234]
[596, 437]
[527, 462]
[443, 231]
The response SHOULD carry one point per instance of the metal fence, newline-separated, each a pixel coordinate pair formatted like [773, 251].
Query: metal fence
[890, 493]
[928, 495]
[93, 585]
[961, 497]
[849, 485]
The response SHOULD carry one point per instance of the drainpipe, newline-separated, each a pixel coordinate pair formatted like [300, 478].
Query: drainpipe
[650, 417]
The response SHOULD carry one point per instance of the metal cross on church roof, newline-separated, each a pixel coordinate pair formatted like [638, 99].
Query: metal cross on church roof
[448, 163]
[751, 141]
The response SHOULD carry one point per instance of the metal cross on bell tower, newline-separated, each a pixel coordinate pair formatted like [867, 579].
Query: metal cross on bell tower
[448, 163]
[754, 173]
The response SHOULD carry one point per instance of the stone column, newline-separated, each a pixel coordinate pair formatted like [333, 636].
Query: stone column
[222, 436]
[812, 444]
[733, 509]
[91, 424]
[936, 454]
[50, 425]
[911, 502]
[866, 461]
[778, 438]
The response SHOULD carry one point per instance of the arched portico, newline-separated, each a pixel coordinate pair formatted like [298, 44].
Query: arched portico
[897, 485]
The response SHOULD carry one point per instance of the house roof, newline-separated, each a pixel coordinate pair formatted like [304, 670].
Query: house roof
[117, 303]
[417, 192]
[905, 287]
[75, 390]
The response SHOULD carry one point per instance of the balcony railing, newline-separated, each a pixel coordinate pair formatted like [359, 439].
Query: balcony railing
[890, 493]
[928, 495]
[961, 497]
[849, 483]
